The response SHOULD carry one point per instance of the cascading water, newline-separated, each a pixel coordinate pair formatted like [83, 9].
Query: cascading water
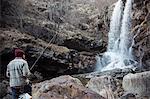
[115, 24]
[125, 36]
[119, 55]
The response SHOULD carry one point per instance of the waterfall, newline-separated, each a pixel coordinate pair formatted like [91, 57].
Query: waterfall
[118, 54]
[125, 36]
[115, 24]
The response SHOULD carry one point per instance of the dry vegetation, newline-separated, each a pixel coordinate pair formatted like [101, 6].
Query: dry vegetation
[101, 4]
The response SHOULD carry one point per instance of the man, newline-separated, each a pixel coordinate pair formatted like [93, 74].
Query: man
[18, 71]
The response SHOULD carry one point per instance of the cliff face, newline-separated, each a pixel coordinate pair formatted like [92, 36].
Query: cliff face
[73, 22]
[44, 18]
[141, 31]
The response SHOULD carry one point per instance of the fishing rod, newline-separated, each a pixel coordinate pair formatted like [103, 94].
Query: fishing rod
[54, 37]
[43, 51]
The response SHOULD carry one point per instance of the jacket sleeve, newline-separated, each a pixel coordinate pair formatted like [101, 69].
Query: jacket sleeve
[26, 71]
[8, 71]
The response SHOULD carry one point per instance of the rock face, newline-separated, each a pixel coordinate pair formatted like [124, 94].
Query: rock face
[141, 28]
[45, 18]
[74, 22]
[63, 87]
[56, 60]
[137, 84]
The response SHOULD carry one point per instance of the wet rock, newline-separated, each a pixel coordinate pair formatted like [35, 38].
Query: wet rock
[63, 87]
[137, 84]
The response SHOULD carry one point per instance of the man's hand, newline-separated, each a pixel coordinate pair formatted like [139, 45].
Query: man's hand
[38, 75]
[31, 76]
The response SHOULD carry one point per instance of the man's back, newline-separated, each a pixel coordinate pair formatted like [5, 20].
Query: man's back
[17, 69]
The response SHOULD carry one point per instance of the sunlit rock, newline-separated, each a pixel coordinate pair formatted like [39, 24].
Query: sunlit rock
[63, 87]
[104, 85]
[137, 84]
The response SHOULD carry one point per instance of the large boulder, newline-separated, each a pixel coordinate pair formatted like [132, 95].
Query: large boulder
[3, 91]
[137, 84]
[3, 88]
[63, 87]
[105, 86]
[8, 96]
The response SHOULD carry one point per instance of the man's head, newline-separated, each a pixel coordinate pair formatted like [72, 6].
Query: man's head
[19, 53]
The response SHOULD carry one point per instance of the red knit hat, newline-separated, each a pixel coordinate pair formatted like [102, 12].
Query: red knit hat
[19, 53]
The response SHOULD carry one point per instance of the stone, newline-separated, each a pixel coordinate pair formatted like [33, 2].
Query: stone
[63, 87]
[137, 84]
[104, 85]
[128, 96]
[8, 96]
[3, 88]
